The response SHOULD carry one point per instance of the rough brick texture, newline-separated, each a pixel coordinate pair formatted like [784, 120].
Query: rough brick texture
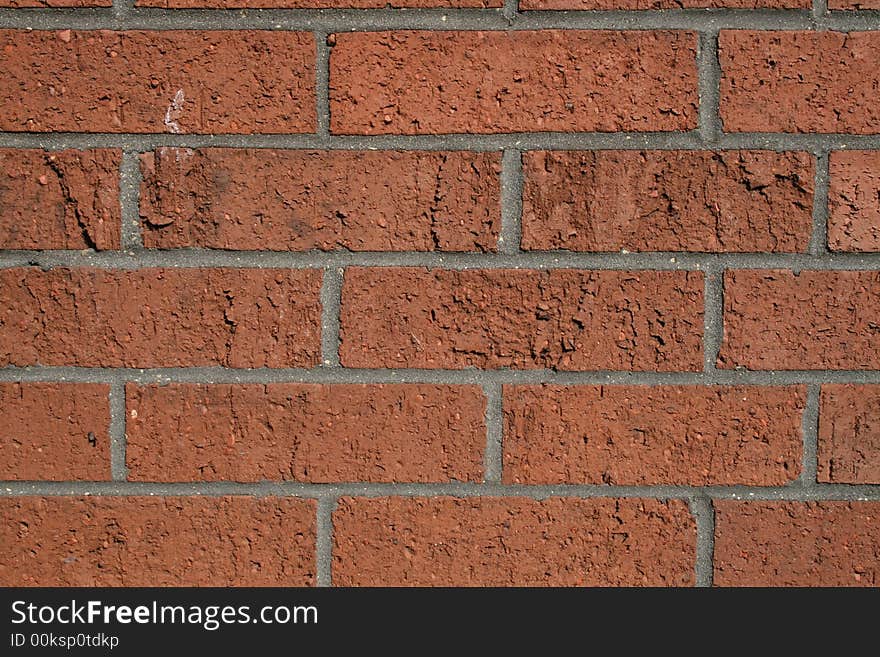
[483, 295]
[778, 320]
[60, 199]
[662, 4]
[365, 201]
[503, 542]
[797, 543]
[301, 432]
[172, 82]
[149, 541]
[160, 317]
[854, 201]
[667, 201]
[853, 4]
[315, 4]
[567, 320]
[638, 435]
[488, 82]
[56, 3]
[54, 431]
[799, 81]
[849, 434]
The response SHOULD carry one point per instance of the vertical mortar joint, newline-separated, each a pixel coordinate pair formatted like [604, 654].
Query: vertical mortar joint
[324, 541]
[510, 236]
[331, 301]
[709, 84]
[703, 511]
[494, 455]
[118, 446]
[819, 237]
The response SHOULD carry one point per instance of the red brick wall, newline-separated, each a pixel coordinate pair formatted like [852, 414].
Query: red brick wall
[439, 292]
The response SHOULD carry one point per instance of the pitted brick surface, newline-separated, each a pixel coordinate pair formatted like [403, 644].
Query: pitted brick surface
[410, 82]
[60, 199]
[54, 431]
[799, 81]
[637, 5]
[155, 541]
[567, 320]
[503, 542]
[303, 432]
[315, 4]
[641, 435]
[159, 317]
[727, 201]
[361, 201]
[157, 82]
[779, 320]
[849, 434]
[797, 543]
[854, 201]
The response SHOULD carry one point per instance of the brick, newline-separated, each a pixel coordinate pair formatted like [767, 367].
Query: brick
[727, 201]
[361, 201]
[409, 82]
[652, 435]
[154, 541]
[305, 432]
[853, 4]
[854, 201]
[560, 319]
[635, 5]
[512, 542]
[799, 81]
[157, 82]
[814, 320]
[160, 317]
[59, 200]
[849, 434]
[54, 431]
[797, 543]
[316, 4]
[75, 4]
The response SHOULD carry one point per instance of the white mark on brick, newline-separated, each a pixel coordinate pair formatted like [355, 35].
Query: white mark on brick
[175, 109]
[180, 154]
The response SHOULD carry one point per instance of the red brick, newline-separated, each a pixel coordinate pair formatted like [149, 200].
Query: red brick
[849, 434]
[154, 541]
[54, 431]
[799, 81]
[561, 319]
[797, 543]
[361, 201]
[854, 201]
[315, 4]
[512, 542]
[726, 201]
[853, 4]
[56, 3]
[306, 432]
[160, 317]
[591, 5]
[59, 200]
[154, 82]
[494, 82]
[653, 435]
[814, 320]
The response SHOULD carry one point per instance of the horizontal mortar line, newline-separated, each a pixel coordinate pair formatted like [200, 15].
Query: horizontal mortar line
[305, 490]
[346, 20]
[342, 375]
[691, 140]
[539, 260]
